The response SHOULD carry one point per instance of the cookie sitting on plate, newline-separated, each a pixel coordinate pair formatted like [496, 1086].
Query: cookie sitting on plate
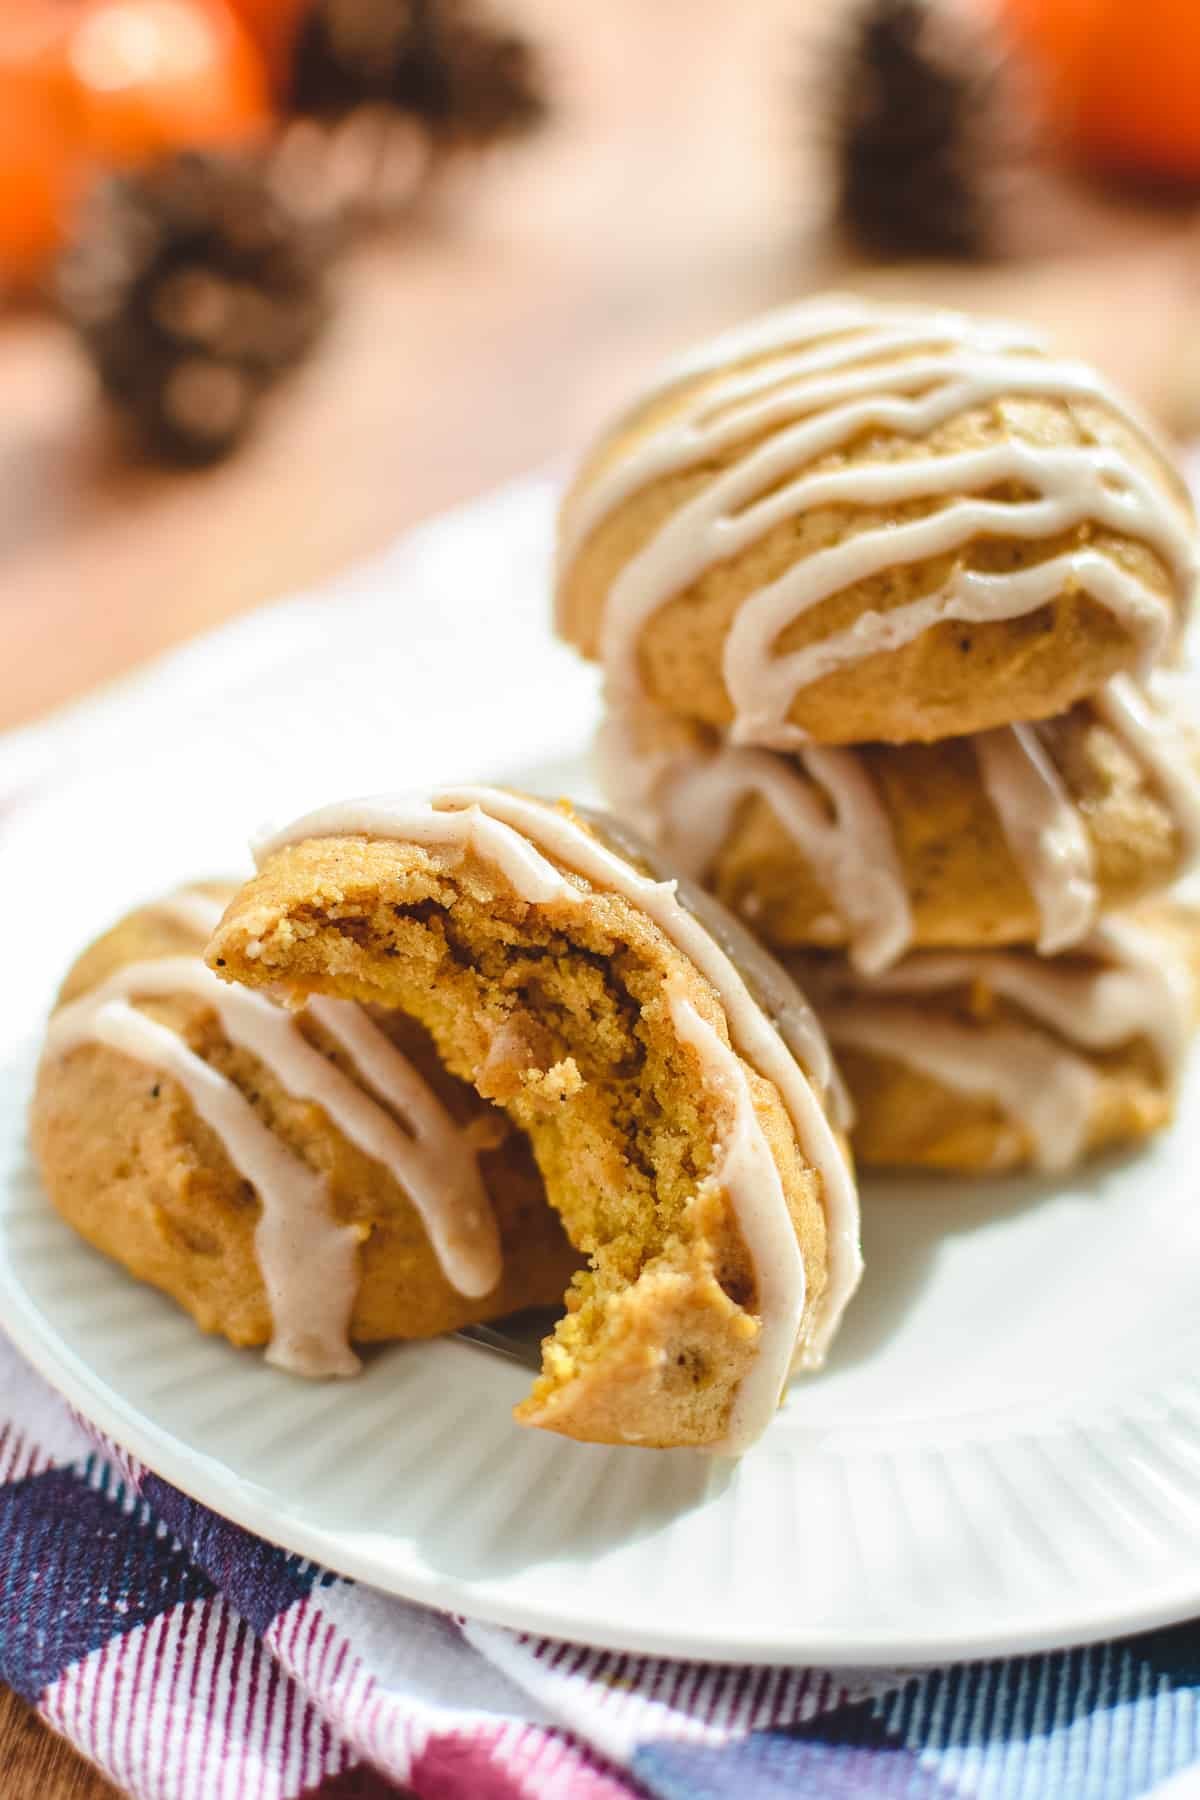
[304, 1180]
[673, 1085]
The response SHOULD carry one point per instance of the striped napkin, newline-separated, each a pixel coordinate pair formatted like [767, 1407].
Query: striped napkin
[194, 1661]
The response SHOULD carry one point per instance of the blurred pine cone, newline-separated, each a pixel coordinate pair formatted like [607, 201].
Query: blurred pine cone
[912, 95]
[193, 287]
[466, 81]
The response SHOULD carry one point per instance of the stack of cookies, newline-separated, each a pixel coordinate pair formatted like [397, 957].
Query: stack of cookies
[888, 600]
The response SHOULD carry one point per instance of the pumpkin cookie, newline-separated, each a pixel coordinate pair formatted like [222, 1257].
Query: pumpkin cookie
[1022, 834]
[675, 1101]
[298, 1179]
[980, 1062]
[852, 522]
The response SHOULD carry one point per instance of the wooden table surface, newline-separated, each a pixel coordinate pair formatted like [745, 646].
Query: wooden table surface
[678, 187]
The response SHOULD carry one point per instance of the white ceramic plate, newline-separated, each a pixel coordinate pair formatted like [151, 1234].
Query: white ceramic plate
[1003, 1454]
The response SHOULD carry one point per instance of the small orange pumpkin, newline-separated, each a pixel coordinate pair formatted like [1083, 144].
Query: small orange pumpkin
[41, 168]
[274, 25]
[1121, 78]
[153, 76]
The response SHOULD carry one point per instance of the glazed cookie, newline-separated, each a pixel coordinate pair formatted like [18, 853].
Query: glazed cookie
[986, 1061]
[1018, 835]
[850, 522]
[675, 1099]
[298, 1179]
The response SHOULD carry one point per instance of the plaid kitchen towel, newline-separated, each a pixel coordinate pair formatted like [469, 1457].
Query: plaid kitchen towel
[193, 1661]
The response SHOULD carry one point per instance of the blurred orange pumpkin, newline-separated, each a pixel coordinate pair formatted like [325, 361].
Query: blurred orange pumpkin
[152, 76]
[273, 24]
[41, 168]
[1121, 78]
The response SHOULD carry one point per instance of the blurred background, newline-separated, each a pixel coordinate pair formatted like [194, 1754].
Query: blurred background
[281, 277]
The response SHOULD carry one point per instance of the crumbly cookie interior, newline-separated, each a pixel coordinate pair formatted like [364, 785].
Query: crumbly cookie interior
[559, 1015]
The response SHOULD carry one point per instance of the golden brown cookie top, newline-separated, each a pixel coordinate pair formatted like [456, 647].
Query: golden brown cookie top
[855, 521]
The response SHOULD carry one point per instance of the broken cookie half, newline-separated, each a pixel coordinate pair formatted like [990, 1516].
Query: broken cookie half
[674, 1087]
[306, 1180]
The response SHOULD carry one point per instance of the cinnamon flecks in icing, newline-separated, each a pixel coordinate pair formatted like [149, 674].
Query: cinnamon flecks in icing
[833, 369]
[307, 1260]
[1126, 984]
[517, 836]
[746, 1170]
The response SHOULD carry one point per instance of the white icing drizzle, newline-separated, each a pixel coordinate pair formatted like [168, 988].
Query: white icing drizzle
[686, 795]
[762, 685]
[452, 825]
[511, 833]
[188, 907]
[1150, 982]
[308, 1262]
[848, 843]
[1133, 985]
[747, 1172]
[433, 1161]
[636, 756]
[1036, 1082]
[1045, 832]
[1155, 737]
[836, 368]
[770, 986]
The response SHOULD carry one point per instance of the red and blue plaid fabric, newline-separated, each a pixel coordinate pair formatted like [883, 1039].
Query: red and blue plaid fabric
[193, 1661]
